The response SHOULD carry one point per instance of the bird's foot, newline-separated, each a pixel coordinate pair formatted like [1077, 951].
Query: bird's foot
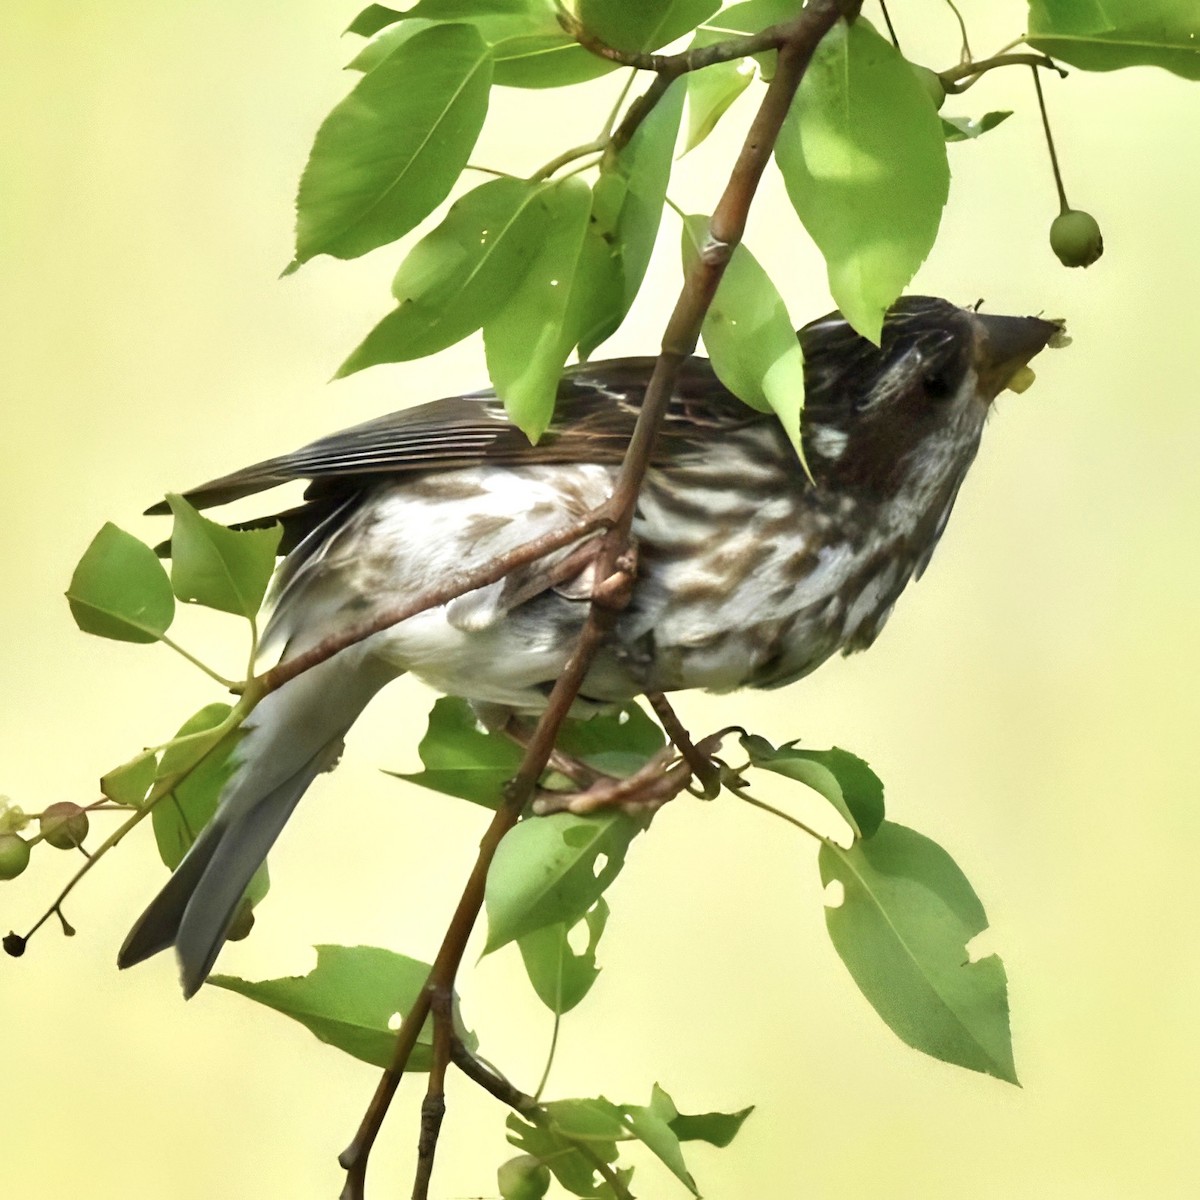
[644, 792]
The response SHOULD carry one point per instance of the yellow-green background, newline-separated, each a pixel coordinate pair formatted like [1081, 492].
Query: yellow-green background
[1032, 704]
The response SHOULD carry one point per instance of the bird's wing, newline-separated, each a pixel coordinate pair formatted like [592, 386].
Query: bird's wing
[597, 405]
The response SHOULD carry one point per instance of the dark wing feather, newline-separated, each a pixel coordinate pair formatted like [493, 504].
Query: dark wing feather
[597, 405]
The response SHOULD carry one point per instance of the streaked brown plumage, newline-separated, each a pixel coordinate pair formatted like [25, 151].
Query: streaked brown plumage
[749, 574]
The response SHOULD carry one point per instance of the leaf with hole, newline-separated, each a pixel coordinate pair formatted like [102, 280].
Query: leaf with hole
[551, 870]
[617, 742]
[350, 1000]
[902, 928]
[461, 759]
[119, 589]
[560, 975]
[863, 158]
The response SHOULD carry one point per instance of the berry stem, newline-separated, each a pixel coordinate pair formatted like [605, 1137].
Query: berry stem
[1062, 195]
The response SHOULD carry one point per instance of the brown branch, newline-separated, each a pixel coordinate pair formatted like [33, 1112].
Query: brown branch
[798, 41]
[433, 1108]
[696, 58]
[971, 72]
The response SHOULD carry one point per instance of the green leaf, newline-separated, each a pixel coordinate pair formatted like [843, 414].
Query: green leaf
[635, 25]
[349, 999]
[494, 20]
[560, 977]
[841, 777]
[551, 870]
[129, 783]
[221, 568]
[388, 154]
[617, 742]
[386, 44]
[372, 19]
[119, 589]
[902, 930]
[1106, 35]
[753, 345]
[574, 1169]
[651, 1125]
[712, 91]
[459, 274]
[716, 1128]
[960, 129]
[546, 60]
[528, 46]
[626, 212]
[528, 340]
[460, 759]
[864, 161]
[753, 15]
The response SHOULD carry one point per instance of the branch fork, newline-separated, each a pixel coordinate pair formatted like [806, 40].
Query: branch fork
[796, 40]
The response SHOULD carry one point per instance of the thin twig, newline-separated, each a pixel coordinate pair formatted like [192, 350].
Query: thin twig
[887, 20]
[965, 54]
[433, 1108]
[741, 794]
[214, 675]
[457, 585]
[702, 767]
[971, 72]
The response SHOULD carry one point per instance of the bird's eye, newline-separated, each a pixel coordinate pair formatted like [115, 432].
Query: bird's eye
[938, 385]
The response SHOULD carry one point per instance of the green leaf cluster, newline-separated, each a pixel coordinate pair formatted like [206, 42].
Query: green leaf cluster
[120, 589]
[571, 1136]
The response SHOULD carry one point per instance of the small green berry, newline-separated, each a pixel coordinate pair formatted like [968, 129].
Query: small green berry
[523, 1178]
[14, 855]
[64, 825]
[1075, 237]
[931, 81]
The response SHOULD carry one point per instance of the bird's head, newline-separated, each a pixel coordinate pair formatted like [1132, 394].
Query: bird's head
[909, 411]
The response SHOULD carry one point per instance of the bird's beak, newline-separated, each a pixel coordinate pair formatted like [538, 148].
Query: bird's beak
[1005, 345]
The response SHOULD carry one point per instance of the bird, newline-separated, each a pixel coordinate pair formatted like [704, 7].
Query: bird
[753, 565]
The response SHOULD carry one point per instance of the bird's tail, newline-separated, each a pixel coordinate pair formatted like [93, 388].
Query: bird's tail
[294, 735]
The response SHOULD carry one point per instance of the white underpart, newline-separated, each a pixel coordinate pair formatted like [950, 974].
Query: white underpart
[828, 441]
